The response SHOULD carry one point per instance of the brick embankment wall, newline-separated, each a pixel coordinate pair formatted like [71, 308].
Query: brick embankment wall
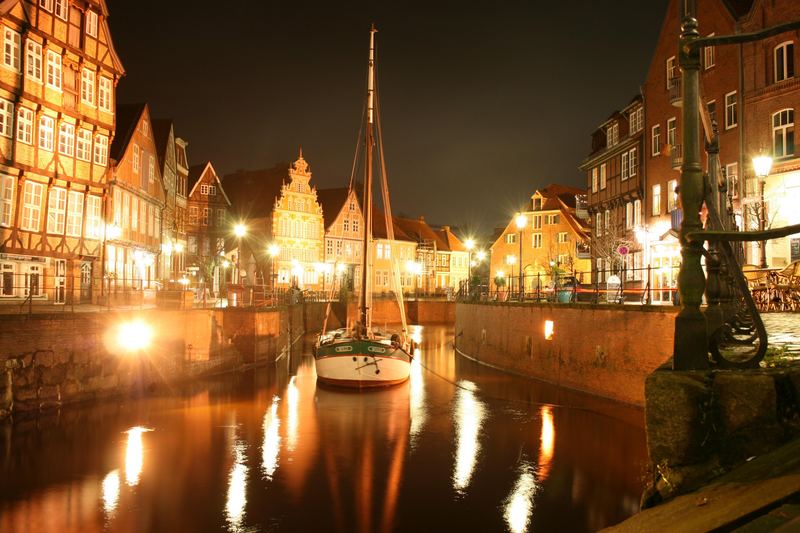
[604, 350]
[417, 312]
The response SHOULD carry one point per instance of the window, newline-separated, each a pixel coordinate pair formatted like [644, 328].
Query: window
[193, 215]
[220, 217]
[75, 214]
[47, 5]
[84, 150]
[104, 94]
[603, 176]
[56, 210]
[135, 161]
[66, 139]
[6, 117]
[537, 221]
[204, 189]
[126, 209]
[91, 23]
[87, 86]
[62, 9]
[636, 120]
[783, 133]
[612, 134]
[204, 218]
[32, 206]
[46, 127]
[563, 236]
[53, 70]
[708, 55]
[25, 125]
[537, 240]
[594, 179]
[607, 218]
[637, 213]
[784, 61]
[151, 169]
[346, 225]
[192, 244]
[146, 128]
[329, 248]
[212, 190]
[672, 196]
[33, 60]
[7, 280]
[655, 140]
[94, 220]
[117, 206]
[671, 71]
[732, 178]
[624, 166]
[6, 200]
[656, 200]
[100, 150]
[11, 51]
[355, 225]
[632, 163]
[552, 219]
[712, 110]
[671, 132]
[598, 226]
[511, 238]
[629, 215]
[731, 115]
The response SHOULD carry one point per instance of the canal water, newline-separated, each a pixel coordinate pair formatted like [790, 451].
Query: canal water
[460, 447]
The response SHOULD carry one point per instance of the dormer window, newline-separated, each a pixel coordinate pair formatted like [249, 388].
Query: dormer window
[636, 120]
[537, 204]
[612, 134]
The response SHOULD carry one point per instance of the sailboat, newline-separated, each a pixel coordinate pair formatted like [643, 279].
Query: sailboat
[359, 355]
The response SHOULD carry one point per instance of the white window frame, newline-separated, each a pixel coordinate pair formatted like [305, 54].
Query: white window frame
[656, 200]
[100, 150]
[47, 127]
[672, 196]
[53, 70]
[94, 217]
[83, 149]
[90, 21]
[88, 81]
[624, 166]
[33, 60]
[135, 213]
[732, 177]
[612, 134]
[603, 176]
[632, 163]
[636, 120]
[598, 226]
[47, 5]
[629, 215]
[782, 129]
[672, 132]
[104, 93]
[6, 200]
[61, 9]
[511, 238]
[66, 139]
[709, 55]
[671, 69]
[74, 213]
[563, 237]
[56, 210]
[6, 118]
[151, 170]
[731, 110]
[135, 161]
[32, 194]
[607, 220]
[781, 70]
[637, 213]
[12, 44]
[593, 178]
[536, 240]
[25, 125]
[655, 140]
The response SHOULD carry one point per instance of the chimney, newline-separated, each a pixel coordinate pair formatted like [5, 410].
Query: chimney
[446, 228]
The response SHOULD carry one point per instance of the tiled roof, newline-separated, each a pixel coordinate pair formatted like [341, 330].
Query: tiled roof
[332, 201]
[379, 227]
[127, 116]
[253, 192]
[161, 128]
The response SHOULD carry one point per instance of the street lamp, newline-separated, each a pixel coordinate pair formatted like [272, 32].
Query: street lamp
[469, 244]
[239, 230]
[762, 164]
[521, 221]
[273, 250]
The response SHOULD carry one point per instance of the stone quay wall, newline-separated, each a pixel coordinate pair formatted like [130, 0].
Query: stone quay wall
[604, 350]
[47, 360]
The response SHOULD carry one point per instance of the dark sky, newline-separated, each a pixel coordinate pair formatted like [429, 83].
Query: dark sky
[482, 102]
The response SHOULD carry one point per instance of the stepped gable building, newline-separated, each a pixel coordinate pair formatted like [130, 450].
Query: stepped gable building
[58, 76]
[555, 238]
[344, 225]
[279, 206]
[175, 173]
[615, 192]
[136, 202]
[206, 225]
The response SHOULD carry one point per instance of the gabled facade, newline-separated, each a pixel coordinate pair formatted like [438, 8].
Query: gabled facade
[343, 243]
[58, 76]
[616, 191]
[136, 194]
[458, 260]
[174, 172]
[390, 254]
[207, 226]
[554, 237]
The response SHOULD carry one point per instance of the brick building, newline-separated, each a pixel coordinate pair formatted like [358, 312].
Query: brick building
[175, 173]
[344, 225]
[207, 226]
[57, 89]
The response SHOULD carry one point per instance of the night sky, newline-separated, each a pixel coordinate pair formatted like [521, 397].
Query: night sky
[482, 102]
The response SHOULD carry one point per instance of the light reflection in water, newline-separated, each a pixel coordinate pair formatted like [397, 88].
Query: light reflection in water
[237, 487]
[547, 442]
[111, 492]
[134, 455]
[416, 399]
[292, 402]
[469, 417]
[271, 447]
[519, 504]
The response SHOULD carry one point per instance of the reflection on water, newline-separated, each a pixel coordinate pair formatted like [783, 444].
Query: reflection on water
[525, 456]
[519, 505]
[468, 415]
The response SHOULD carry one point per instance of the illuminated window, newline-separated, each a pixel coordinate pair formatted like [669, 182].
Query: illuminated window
[100, 150]
[656, 200]
[91, 23]
[94, 221]
[537, 240]
[25, 125]
[6, 199]
[11, 49]
[672, 195]
[53, 70]
[56, 210]
[46, 133]
[75, 214]
[135, 161]
[602, 176]
[104, 94]
[612, 134]
[66, 139]
[511, 238]
[6, 117]
[33, 60]
[84, 150]
[87, 86]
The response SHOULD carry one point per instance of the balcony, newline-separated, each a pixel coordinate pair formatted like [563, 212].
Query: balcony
[676, 154]
[675, 93]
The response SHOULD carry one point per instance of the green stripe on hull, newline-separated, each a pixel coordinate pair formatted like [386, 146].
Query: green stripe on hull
[360, 348]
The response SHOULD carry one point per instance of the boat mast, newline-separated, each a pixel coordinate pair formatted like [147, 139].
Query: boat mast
[365, 276]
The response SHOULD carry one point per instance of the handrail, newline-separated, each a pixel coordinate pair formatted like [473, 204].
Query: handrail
[736, 236]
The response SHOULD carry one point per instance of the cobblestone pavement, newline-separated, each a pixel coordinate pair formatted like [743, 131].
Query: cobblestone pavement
[783, 330]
